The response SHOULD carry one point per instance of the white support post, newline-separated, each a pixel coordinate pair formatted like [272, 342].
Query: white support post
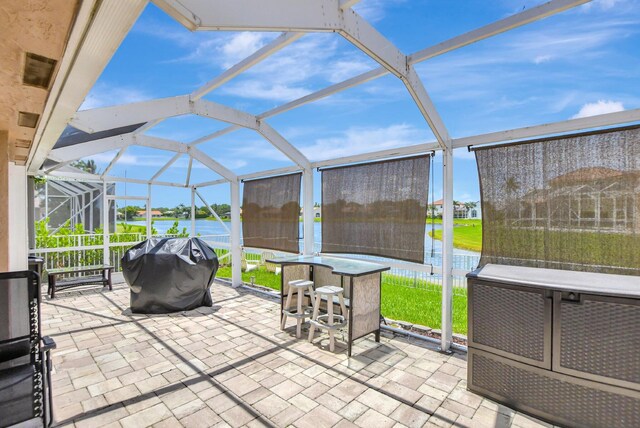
[193, 212]
[148, 211]
[447, 249]
[105, 225]
[236, 249]
[307, 210]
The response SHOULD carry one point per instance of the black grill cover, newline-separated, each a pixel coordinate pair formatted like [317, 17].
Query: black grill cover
[169, 274]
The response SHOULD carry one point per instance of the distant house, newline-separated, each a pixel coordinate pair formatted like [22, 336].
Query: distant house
[587, 198]
[154, 213]
[460, 210]
[317, 212]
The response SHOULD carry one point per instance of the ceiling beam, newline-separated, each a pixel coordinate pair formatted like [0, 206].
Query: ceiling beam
[601, 120]
[166, 166]
[79, 151]
[264, 52]
[101, 119]
[99, 28]
[280, 143]
[346, 4]
[216, 134]
[216, 167]
[223, 113]
[113, 161]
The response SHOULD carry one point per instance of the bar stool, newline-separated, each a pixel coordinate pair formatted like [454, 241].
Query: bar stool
[301, 313]
[328, 321]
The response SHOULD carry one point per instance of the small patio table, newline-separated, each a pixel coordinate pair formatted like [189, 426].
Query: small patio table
[102, 275]
[361, 281]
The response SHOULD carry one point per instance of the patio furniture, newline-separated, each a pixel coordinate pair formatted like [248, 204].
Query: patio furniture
[301, 312]
[246, 266]
[561, 345]
[25, 356]
[271, 267]
[100, 274]
[330, 321]
[360, 281]
[169, 274]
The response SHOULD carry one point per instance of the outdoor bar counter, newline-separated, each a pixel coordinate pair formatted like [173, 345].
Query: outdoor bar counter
[361, 281]
[561, 345]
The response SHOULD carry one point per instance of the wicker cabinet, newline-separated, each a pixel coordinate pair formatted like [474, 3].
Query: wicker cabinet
[562, 346]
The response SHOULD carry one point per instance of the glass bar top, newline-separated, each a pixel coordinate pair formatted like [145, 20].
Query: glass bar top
[339, 266]
[79, 269]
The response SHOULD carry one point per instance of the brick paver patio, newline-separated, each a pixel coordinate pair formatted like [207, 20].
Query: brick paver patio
[230, 365]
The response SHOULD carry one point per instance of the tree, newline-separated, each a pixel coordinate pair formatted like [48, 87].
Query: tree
[87, 166]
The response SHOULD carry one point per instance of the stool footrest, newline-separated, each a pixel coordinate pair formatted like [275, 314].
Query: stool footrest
[322, 322]
[306, 313]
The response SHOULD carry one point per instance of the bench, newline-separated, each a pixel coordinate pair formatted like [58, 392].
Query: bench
[101, 274]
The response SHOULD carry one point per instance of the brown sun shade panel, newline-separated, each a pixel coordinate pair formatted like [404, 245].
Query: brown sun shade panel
[570, 202]
[271, 213]
[376, 208]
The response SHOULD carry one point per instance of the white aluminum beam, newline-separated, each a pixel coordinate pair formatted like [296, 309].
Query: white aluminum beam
[211, 183]
[307, 211]
[90, 148]
[186, 184]
[517, 20]
[211, 164]
[216, 134]
[101, 119]
[268, 173]
[323, 93]
[215, 214]
[268, 15]
[280, 143]
[179, 12]
[364, 36]
[96, 178]
[98, 30]
[234, 238]
[446, 335]
[425, 105]
[113, 162]
[381, 154]
[264, 52]
[346, 4]
[223, 113]
[165, 167]
[160, 143]
[147, 126]
[601, 120]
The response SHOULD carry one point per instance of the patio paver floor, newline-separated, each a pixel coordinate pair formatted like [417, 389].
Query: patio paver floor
[231, 365]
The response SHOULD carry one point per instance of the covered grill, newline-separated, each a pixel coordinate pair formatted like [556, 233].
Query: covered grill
[169, 274]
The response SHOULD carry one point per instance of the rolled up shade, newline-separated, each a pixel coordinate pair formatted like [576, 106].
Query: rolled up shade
[376, 208]
[571, 202]
[271, 213]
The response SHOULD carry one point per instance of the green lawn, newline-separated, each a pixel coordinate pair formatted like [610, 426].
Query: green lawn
[467, 236]
[414, 305]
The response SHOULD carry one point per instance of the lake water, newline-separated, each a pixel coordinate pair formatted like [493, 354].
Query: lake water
[463, 259]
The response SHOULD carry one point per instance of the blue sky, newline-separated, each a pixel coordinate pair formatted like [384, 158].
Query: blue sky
[581, 62]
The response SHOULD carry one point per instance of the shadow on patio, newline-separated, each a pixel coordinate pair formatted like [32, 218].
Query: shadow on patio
[230, 365]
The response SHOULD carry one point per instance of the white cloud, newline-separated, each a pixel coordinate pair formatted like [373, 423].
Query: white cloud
[600, 107]
[357, 140]
[375, 10]
[541, 59]
[241, 46]
[131, 159]
[103, 95]
[602, 4]
[264, 90]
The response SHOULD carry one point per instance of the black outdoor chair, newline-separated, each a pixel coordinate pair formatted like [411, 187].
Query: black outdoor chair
[25, 357]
